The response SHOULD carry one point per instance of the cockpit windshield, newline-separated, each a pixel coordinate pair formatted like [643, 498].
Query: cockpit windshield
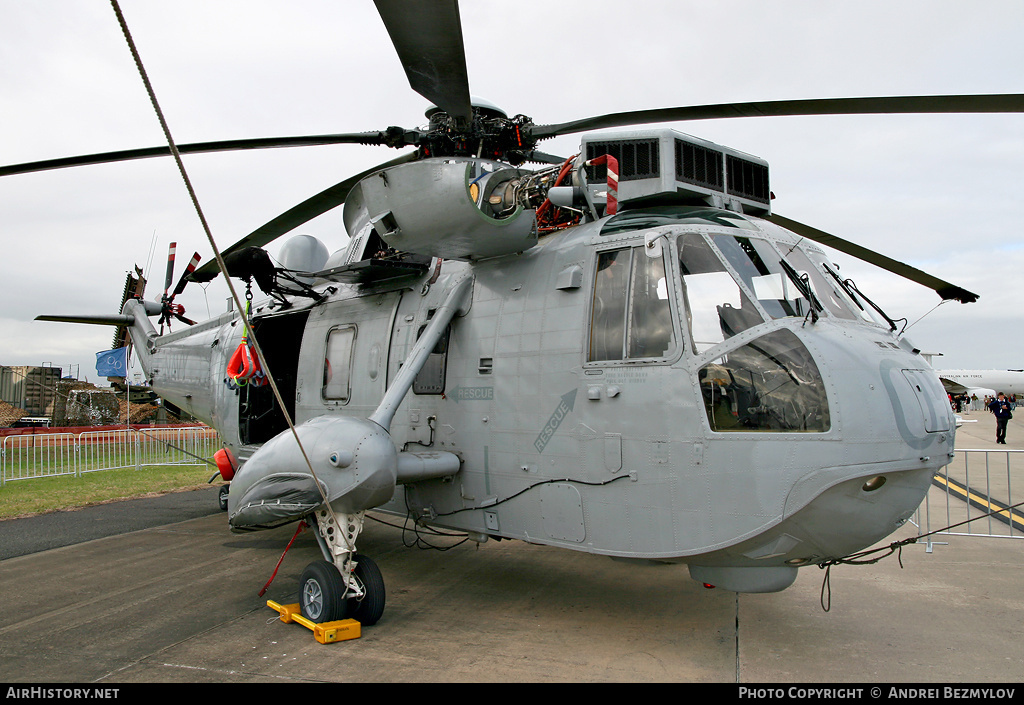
[732, 282]
[826, 290]
[851, 297]
[779, 292]
[716, 307]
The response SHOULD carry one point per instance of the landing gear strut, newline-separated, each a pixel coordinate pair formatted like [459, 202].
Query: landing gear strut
[347, 585]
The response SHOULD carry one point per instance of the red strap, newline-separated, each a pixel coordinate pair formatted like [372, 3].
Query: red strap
[302, 525]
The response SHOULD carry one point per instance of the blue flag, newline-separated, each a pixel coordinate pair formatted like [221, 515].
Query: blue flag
[112, 363]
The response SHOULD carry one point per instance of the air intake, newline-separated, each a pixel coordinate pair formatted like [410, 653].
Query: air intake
[748, 179]
[663, 166]
[698, 165]
[638, 159]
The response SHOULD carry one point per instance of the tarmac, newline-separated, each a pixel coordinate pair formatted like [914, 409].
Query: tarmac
[91, 596]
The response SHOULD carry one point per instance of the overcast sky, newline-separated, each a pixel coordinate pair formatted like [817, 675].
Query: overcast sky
[938, 192]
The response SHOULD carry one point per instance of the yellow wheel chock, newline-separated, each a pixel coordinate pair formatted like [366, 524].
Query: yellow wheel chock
[325, 633]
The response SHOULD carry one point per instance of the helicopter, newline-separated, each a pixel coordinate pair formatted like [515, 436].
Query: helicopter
[624, 352]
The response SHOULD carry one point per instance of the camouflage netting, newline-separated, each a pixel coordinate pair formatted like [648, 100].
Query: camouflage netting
[142, 413]
[62, 403]
[91, 407]
[84, 404]
[9, 414]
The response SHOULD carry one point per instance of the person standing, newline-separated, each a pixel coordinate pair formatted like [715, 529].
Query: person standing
[1001, 408]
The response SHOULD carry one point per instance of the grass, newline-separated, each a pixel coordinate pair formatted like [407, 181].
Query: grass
[49, 494]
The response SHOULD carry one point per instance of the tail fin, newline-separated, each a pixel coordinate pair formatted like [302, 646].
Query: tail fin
[135, 315]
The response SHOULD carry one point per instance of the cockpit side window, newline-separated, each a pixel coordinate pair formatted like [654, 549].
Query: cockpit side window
[716, 306]
[632, 315]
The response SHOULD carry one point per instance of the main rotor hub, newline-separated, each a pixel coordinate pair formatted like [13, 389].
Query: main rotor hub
[490, 135]
[480, 105]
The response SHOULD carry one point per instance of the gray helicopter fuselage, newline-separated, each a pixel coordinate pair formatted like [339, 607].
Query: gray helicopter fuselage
[608, 415]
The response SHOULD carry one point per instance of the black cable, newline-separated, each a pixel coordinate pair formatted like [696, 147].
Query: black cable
[894, 547]
[530, 487]
[422, 543]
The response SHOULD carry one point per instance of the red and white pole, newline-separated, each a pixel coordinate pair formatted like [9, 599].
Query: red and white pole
[612, 205]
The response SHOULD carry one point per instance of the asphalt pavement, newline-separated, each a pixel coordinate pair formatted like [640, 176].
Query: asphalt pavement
[159, 591]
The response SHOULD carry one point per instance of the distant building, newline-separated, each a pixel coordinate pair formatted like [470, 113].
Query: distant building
[37, 396]
[31, 389]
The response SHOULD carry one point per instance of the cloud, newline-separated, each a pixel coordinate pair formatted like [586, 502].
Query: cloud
[939, 192]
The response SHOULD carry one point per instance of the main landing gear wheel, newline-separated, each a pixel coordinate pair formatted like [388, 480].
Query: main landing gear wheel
[322, 596]
[321, 593]
[367, 610]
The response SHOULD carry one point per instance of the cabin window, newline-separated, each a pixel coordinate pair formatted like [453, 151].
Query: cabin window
[632, 316]
[716, 307]
[770, 384]
[338, 363]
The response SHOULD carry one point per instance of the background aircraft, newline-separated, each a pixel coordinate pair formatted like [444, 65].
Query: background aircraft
[982, 382]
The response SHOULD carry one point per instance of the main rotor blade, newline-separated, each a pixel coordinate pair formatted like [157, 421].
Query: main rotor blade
[942, 288]
[1005, 103]
[427, 35]
[544, 158]
[369, 138]
[296, 216]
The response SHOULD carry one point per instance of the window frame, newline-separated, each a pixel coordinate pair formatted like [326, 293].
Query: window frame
[326, 383]
[435, 364]
[676, 343]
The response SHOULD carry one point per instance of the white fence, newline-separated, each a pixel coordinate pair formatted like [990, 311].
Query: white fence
[51, 454]
[974, 496]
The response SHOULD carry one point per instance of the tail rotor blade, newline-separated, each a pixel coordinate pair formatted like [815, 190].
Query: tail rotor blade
[170, 268]
[193, 263]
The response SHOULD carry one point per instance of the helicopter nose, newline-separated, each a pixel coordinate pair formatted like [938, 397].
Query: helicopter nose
[886, 467]
[918, 401]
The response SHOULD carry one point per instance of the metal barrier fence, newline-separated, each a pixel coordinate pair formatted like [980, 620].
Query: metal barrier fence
[53, 454]
[977, 483]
